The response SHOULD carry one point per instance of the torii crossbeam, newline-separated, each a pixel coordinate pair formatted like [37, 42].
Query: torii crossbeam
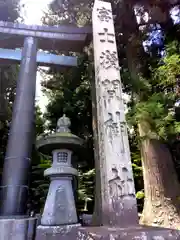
[10, 56]
[66, 38]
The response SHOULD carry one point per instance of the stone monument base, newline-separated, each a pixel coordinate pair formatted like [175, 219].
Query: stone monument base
[55, 232]
[107, 233]
[17, 228]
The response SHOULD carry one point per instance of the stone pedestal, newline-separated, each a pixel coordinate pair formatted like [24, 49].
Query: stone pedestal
[107, 233]
[17, 229]
[56, 232]
[60, 205]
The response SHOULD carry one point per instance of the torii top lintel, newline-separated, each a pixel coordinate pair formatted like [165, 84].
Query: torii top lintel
[66, 38]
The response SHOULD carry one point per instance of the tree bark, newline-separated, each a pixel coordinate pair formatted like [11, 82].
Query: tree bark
[161, 186]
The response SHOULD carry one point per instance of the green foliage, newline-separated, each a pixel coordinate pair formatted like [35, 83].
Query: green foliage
[168, 72]
[40, 122]
[137, 168]
[157, 108]
[140, 195]
[8, 77]
[86, 189]
[70, 93]
[38, 185]
[72, 12]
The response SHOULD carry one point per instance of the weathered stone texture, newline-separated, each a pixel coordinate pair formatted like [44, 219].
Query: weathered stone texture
[107, 233]
[118, 201]
[17, 229]
[60, 209]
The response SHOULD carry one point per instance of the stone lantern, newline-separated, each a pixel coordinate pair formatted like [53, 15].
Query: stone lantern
[60, 206]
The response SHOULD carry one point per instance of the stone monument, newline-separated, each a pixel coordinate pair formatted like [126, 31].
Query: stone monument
[60, 210]
[117, 193]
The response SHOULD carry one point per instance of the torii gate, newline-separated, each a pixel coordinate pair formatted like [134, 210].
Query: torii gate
[59, 38]
[14, 188]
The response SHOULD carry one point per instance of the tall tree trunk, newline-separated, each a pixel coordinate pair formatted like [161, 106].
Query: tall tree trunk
[161, 186]
[162, 190]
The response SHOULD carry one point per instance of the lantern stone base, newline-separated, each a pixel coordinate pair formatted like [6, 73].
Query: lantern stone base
[17, 228]
[107, 233]
[60, 207]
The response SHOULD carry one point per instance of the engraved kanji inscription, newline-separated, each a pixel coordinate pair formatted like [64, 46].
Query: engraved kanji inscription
[109, 59]
[112, 125]
[116, 189]
[104, 14]
[127, 182]
[60, 202]
[111, 89]
[97, 71]
[123, 130]
[121, 184]
[115, 184]
[105, 36]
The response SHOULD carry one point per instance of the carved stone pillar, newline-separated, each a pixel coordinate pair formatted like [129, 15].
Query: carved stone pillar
[117, 202]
